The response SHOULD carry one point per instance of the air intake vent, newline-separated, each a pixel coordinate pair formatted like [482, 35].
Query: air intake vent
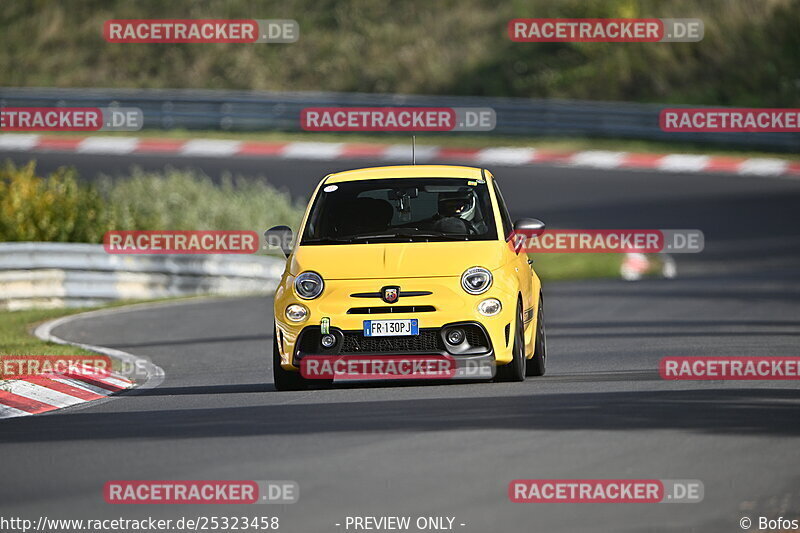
[428, 341]
[391, 309]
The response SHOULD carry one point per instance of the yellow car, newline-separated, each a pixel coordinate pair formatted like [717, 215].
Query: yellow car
[408, 260]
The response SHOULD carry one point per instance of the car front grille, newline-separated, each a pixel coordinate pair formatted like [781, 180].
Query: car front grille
[426, 342]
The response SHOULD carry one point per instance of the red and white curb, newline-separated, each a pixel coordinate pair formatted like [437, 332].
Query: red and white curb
[325, 151]
[49, 392]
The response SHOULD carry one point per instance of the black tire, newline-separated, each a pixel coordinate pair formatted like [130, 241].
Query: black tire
[284, 380]
[515, 370]
[536, 364]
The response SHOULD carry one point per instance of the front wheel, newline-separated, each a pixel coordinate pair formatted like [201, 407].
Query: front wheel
[515, 370]
[536, 364]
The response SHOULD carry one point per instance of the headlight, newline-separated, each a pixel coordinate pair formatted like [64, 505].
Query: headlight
[490, 307]
[296, 312]
[308, 285]
[476, 280]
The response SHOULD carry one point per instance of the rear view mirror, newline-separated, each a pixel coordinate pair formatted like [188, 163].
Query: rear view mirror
[279, 237]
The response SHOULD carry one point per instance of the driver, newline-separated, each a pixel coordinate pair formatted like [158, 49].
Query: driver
[456, 212]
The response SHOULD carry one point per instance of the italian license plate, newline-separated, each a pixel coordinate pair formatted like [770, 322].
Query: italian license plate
[391, 328]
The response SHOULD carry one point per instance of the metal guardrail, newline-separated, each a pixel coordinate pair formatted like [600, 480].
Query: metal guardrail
[38, 274]
[271, 111]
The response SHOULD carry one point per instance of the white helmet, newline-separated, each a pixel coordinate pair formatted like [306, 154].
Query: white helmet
[460, 204]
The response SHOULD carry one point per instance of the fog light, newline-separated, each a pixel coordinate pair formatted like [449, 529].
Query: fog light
[296, 312]
[327, 340]
[455, 336]
[490, 307]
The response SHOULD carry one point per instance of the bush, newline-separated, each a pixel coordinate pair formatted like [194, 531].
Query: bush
[185, 200]
[61, 208]
[55, 208]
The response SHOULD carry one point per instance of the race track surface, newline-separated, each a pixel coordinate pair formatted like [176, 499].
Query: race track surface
[451, 450]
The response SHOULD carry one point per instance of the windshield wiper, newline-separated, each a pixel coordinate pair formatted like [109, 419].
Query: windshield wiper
[388, 235]
[408, 235]
[325, 240]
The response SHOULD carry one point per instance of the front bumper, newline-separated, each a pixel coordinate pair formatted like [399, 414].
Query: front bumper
[430, 341]
[441, 304]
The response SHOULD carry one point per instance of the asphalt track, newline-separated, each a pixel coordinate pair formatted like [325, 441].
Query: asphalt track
[451, 450]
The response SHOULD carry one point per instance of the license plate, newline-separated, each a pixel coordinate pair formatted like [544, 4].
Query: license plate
[391, 328]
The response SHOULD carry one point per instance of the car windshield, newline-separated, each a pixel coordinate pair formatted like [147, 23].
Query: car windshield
[401, 210]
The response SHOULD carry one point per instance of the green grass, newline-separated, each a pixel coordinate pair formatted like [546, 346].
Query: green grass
[16, 329]
[563, 267]
[16, 333]
[457, 140]
[17, 338]
[748, 56]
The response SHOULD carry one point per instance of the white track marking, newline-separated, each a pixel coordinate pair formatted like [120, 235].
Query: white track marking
[506, 156]
[683, 163]
[313, 150]
[402, 152]
[764, 167]
[17, 141]
[42, 394]
[6, 411]
[108, 145]
[210, 148]
[598, 159]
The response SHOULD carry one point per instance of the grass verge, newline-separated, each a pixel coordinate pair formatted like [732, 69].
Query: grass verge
[17, 338]
[17, 327]
[564, 267]
[16, 332]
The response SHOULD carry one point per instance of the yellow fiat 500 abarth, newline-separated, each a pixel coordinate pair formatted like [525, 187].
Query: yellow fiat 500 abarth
[408, 260]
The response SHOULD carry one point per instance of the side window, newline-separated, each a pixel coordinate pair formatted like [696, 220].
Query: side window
[508, 226]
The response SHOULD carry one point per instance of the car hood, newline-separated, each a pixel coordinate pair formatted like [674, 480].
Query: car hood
[397, 260]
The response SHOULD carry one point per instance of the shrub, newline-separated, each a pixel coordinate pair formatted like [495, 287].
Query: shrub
[53, 208]
[61, 208]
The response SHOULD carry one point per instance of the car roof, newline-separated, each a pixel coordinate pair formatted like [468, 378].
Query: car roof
[407, 171]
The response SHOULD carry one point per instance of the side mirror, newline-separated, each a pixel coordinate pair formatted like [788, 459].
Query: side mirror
[524, 228]
[531, 226]
[279, 237]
